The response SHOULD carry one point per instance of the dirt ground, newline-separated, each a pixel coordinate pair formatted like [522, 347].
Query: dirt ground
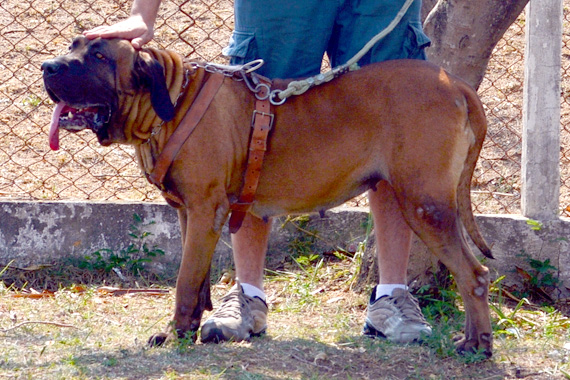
[314, 332]
[32, 31]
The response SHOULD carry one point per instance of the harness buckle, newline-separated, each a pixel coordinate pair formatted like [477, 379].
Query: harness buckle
[256, 113]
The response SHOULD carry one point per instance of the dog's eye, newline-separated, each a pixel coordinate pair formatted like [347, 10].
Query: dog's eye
[100, 56]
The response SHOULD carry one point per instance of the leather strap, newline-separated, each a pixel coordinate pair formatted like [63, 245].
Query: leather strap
[183, 132]
[262, 122]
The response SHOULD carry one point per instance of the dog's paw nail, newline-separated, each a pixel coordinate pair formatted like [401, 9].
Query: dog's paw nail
[157, 340]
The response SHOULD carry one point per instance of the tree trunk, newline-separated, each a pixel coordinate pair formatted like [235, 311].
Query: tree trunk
[465, 32]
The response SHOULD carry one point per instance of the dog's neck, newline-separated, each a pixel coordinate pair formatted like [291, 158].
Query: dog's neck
[152, 133]
[141, 118]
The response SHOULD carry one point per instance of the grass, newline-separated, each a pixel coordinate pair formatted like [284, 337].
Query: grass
[314, 332]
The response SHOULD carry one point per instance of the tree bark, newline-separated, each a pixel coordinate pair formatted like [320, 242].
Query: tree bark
[465, 32]
[427, 6]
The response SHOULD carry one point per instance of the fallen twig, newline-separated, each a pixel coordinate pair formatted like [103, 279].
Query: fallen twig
[309, 362]
[120, 291]
[36, 322]
[35, 294]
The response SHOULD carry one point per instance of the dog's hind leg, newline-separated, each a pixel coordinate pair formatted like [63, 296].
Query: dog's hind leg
[435, 220]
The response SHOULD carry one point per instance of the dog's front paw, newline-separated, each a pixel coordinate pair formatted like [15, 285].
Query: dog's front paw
[157, 340]
[483, 345]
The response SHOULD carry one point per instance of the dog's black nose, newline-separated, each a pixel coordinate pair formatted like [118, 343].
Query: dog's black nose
[52, 67]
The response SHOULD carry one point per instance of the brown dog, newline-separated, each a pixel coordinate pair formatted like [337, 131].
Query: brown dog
[407, 122]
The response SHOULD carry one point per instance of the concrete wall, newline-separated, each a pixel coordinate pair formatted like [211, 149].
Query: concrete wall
[33, 233]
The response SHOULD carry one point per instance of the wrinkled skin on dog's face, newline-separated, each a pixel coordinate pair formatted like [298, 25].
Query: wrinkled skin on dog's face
[94, 84]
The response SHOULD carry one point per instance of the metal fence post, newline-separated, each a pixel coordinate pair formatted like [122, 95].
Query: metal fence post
[541, 110]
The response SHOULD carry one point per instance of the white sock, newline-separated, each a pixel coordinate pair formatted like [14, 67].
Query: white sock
[387, 289]
[252, 291]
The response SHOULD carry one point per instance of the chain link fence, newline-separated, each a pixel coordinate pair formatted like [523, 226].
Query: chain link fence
[32, 31]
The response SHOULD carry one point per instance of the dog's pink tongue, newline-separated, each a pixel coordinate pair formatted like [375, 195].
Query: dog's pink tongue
[54, 127]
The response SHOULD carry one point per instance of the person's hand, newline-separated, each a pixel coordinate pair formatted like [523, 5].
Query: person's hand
[133, 28]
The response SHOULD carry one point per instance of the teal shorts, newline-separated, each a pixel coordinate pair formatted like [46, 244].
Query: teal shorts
[292, 36]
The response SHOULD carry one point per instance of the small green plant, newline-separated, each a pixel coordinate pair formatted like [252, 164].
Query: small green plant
[302, 245]
[542, 273]
[301, 248]
[130, 260]
[538, 279]
[508, 323]
[440, 298]
[110, 362]
[185, 344]
[307, 259]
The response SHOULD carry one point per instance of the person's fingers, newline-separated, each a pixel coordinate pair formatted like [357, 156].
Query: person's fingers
[111, 32]
[106, 33]
[130, 29]
[139, 42]
[95, 32]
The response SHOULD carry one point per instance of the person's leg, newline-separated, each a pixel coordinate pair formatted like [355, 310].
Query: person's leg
[361, 20]
[291, 38]
[250, 246]
[243, 311]
[392, 312]
[393, 236]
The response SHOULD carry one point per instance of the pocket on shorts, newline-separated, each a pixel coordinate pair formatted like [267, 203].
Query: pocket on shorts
[241, 48]
[416, 42]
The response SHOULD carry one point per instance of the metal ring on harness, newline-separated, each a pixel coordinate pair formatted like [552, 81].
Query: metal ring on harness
[262, 91]
[275, 95]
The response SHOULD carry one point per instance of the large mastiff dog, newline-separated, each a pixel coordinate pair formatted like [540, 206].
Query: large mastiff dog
[406, 122]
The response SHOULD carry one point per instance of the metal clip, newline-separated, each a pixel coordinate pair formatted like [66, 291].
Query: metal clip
[261, 90]
[252, 66]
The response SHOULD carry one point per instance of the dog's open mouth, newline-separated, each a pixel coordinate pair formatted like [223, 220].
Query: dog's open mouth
[76, 119]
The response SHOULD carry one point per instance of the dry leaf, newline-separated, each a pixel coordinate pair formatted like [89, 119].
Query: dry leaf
[320, 356]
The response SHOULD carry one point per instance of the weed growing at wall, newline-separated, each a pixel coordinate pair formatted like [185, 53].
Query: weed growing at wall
[130, 261]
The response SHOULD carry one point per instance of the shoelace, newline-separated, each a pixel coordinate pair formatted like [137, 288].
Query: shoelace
[231, 305]
[408, 306]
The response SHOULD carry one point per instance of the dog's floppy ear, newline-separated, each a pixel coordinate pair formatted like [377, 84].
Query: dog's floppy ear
[149, 73]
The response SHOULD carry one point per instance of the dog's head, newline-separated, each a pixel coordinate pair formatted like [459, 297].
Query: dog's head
[90, 84]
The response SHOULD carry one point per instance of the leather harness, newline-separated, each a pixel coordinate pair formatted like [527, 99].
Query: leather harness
[187, 125]
[262, 121]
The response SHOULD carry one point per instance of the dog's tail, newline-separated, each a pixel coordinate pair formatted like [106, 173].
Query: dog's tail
[477, 122]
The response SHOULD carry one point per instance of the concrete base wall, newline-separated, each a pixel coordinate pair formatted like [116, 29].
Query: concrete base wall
[33, 233]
